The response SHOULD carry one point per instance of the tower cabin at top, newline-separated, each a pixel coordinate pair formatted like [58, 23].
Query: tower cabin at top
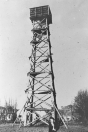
[38, 13]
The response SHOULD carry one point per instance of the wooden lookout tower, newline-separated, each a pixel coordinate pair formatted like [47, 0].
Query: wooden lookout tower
[41, 92]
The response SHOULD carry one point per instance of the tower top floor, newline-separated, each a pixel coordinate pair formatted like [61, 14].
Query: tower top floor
[38, 13]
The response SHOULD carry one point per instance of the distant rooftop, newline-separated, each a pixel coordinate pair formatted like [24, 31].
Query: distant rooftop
[1, 107]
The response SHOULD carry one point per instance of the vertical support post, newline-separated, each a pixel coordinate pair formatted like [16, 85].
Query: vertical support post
[52, 74]
[32, 97]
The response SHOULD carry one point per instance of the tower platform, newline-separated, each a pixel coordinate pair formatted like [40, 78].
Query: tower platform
[38, 13]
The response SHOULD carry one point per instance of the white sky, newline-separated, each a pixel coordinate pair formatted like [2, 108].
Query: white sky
[69, 39]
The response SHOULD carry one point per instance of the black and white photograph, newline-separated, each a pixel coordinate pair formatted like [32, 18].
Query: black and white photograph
[43, 65]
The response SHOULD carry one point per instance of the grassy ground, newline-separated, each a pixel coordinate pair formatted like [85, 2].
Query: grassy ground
[10, 128]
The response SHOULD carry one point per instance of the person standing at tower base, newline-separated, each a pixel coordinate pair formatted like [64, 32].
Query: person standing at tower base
[52, 125]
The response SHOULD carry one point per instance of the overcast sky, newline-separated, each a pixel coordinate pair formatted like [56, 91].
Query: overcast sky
[69, 40]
